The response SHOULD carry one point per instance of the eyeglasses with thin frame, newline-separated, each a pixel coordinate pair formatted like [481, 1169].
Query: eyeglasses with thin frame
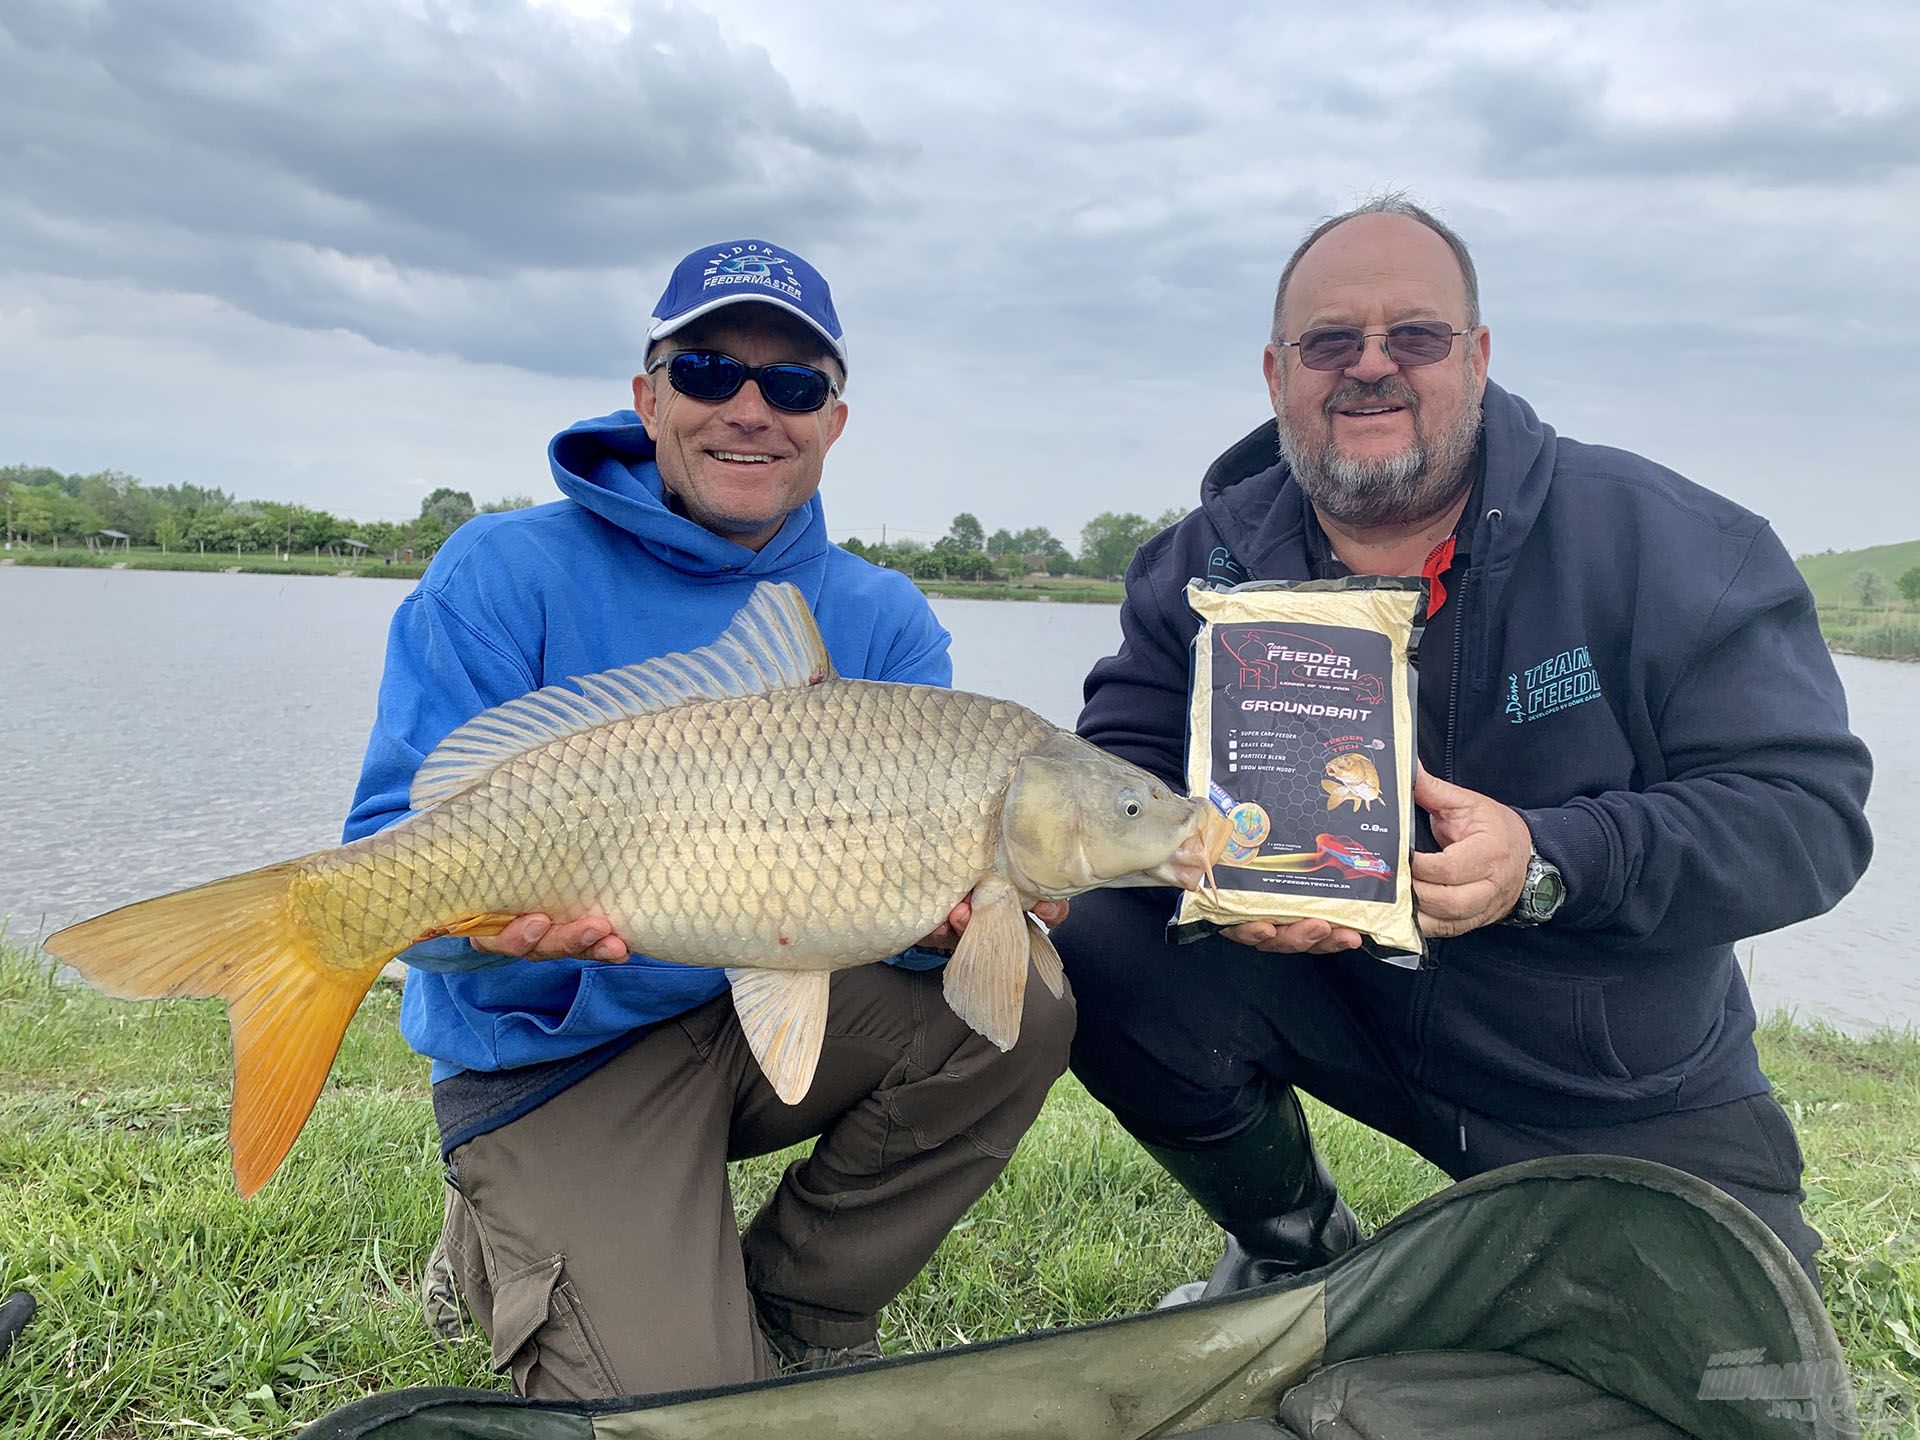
[1336, 347]
[714, 375]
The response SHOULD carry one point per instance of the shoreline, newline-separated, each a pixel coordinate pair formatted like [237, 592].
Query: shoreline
[1901, 642]
[1064, 590]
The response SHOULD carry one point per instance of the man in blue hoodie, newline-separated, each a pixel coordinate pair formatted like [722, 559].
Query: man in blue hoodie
[1634, 752]
[589, 1104]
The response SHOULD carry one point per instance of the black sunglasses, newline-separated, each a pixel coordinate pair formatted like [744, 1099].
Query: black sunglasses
[713, 375]
[1335, 347]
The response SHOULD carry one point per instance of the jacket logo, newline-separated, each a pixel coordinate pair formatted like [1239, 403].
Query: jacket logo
[1223, 569]
[1557, 683]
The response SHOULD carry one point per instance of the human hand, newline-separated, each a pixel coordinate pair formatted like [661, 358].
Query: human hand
[1048, 912]
[1475, 878]
[1301, 937]
[536, 937]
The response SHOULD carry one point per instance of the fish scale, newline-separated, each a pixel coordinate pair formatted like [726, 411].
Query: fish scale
[737, 806]
[698, 831]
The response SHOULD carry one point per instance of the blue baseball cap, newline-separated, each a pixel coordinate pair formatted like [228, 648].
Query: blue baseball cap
[743, 270]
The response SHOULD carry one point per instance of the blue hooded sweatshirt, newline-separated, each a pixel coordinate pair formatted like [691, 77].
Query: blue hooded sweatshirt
[608, 576]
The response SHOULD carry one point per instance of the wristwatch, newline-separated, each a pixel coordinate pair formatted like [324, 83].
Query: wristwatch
[1540, 894]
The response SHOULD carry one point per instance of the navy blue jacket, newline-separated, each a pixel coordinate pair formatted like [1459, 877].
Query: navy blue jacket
[1638, 670]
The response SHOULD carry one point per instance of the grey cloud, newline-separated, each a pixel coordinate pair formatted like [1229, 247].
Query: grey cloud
[1552, 122]
[472, 153]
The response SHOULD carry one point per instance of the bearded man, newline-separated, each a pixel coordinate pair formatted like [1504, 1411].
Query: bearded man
[1597, 848]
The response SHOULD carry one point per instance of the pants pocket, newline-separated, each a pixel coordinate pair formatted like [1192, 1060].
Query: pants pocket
[543, 1337]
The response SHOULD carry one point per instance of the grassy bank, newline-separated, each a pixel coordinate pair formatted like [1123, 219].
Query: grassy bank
[1884, 634]
[1066, 589]
[171, 1308]
[1070, 589]
[257, 562]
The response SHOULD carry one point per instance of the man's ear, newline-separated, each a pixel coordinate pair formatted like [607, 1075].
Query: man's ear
[1272, 365]
[837, 423]
[644, 400]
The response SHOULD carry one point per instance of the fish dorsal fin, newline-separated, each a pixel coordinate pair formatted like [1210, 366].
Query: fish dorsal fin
[772, 644]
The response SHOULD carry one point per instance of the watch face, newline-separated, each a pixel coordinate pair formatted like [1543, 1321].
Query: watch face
[1546, 893]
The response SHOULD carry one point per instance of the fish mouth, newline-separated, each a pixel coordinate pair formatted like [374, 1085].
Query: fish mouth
[1191, 864]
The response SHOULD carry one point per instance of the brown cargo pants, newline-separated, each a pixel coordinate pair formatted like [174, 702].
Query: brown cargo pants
[594, 1238]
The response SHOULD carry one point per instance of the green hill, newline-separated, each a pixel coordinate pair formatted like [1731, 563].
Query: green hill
[1831, 575]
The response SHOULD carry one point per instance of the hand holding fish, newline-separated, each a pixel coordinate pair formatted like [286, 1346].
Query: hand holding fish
[1048, 912]
[1476, 876]
[536, 937]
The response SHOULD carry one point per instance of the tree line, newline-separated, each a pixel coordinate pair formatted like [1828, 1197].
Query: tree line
[967, 552]
[45, 507]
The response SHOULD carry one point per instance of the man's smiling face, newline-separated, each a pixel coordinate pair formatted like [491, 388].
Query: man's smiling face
[1378, 443]
[738, 466]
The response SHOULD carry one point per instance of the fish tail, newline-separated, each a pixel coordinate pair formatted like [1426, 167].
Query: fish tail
[288, 1002]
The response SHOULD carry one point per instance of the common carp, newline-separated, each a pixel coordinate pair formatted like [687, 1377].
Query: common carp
[1353, 780]
[737, 806]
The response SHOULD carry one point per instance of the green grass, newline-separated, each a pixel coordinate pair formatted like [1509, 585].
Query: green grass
[169, 1307]
[1892, 633]
[1831, 577]
[257, 562]
[1068, 588]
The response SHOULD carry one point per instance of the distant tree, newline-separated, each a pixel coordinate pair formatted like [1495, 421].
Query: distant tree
[1107, 543]
[33, 511]
[507, 502]
[1909, 583]
[1038, 540]
[966, 533]
[1871, 587]
[1002, 542]
[447, 508]
[169, 531]
[854, 546]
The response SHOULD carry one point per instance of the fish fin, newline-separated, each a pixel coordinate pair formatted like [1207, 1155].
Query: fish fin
[287, 1005]
[489, 922]
[783, 1014]
[1332, 787]
[1046, 959]
[986, 980]
[771, 644]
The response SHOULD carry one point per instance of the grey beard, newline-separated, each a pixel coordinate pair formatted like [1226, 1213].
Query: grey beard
[1402, 489]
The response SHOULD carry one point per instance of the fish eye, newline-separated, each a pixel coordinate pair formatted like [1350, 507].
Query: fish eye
[1130, 803]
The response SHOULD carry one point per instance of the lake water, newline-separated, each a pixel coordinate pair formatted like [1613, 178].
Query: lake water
[163, 729]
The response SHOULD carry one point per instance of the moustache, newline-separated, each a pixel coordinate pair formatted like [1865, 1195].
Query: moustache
[1388, 390]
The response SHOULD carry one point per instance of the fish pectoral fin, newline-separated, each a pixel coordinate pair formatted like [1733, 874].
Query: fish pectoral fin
[986, 980]
[1333, 787]
[783, 1014]
[489, 922]
[1046, 959]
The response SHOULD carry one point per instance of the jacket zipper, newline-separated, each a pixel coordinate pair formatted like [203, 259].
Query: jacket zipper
[1435, 948]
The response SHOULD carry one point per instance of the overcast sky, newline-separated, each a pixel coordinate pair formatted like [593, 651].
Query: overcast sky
[345, 253]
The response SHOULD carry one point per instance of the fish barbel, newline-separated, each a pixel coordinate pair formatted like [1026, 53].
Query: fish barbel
[738, 806]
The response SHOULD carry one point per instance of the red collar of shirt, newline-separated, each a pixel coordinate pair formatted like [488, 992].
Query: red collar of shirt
[1439, 561]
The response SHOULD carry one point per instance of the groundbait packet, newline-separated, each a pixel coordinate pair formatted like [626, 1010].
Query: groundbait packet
[1300, 730]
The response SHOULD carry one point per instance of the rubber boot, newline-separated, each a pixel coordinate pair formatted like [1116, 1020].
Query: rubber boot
[1269, 1190]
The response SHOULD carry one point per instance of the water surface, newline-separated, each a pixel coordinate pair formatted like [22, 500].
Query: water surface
[164, 729]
